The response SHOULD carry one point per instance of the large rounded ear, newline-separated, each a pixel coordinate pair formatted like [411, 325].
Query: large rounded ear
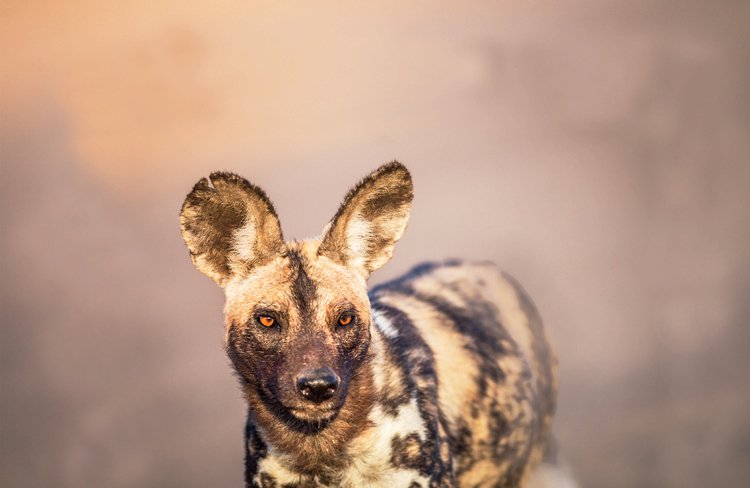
[372, 218]
[229, 226]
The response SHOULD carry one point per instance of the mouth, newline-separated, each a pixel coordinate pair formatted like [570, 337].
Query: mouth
[308, 419]
[313, 414]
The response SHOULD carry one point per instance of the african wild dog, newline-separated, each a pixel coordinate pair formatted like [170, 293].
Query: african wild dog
[440, 378]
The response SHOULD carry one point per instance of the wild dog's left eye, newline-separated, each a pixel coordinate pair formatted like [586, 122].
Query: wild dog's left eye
[346, 318]
[266, 320]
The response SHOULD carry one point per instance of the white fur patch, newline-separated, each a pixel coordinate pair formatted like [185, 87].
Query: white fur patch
[243, 239]
[273, 465]
[407, 421]
[384, 324]
[371, 452]
[357, 238]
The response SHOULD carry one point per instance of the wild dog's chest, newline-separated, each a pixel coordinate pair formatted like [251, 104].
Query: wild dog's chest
[389, 453]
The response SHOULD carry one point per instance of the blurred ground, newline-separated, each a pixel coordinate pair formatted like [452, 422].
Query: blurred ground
[598, 150]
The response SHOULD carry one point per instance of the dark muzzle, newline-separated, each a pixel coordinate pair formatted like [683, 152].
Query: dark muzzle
[317, 385]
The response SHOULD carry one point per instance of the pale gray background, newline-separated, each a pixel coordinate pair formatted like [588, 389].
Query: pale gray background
[598, 150]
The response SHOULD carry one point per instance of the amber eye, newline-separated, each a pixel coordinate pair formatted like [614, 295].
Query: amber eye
[266, 320]
[345, 319]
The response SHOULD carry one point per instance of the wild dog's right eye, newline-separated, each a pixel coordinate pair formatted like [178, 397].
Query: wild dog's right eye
[345, 319]
[266, 320]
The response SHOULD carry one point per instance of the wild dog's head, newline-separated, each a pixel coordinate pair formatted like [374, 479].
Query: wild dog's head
[297, 313]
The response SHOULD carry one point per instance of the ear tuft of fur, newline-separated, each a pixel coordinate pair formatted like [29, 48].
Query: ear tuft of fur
[371, 219]
[229, 225]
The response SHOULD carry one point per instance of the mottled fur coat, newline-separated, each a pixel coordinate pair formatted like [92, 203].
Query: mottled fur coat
[441, 378]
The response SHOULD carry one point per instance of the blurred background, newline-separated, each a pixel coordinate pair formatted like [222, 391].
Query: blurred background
[598, 151]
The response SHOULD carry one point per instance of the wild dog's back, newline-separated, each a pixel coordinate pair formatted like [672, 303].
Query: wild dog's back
[496, 374]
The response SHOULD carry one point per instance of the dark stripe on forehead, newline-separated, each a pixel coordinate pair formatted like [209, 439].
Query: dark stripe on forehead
[303, 288]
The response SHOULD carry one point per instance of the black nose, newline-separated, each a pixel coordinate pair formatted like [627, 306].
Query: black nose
[317, 385]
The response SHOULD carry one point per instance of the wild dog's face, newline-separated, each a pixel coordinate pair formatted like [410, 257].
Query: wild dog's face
[297, 313]
[298, 331]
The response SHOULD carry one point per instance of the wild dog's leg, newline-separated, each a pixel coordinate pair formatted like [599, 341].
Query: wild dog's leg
[255, 450]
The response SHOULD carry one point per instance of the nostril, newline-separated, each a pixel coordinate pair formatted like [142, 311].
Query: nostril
[306, 391]
[318, 385]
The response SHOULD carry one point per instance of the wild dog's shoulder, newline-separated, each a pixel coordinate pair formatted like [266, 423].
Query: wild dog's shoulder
[492, 364]
[471, 280]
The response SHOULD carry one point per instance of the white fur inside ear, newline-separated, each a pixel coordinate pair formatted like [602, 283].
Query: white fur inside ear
[243, 239]
[358, 234]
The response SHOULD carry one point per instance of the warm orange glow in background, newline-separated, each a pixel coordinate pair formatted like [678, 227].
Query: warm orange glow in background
[597, 150]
